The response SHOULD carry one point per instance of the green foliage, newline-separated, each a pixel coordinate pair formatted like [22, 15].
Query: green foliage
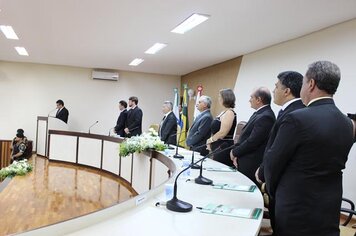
[146, 141]
[16, 168]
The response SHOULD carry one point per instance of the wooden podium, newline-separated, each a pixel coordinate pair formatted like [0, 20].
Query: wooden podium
[45, 123]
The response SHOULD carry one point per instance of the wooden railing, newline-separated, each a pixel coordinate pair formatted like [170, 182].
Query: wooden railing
[5, 153]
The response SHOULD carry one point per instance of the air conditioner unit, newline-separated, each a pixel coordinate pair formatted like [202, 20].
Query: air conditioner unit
[105, 75]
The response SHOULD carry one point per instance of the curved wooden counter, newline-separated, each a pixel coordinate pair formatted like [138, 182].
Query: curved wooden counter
[147, 173]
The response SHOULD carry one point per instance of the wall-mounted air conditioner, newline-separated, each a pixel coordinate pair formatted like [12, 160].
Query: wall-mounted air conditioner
[105, 74]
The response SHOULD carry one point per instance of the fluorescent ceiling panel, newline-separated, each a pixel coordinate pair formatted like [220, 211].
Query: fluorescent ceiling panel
[21, 51]
[136, 62]
[155, 48]
[8, 32]
[190, 23]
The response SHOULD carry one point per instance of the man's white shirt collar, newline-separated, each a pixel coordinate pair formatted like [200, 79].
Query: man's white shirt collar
[262, 107]
[285, 105]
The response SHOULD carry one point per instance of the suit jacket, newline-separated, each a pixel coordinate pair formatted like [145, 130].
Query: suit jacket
[298, 104]
[63, 115]
[253, 140]
[134, 122]
[199, 132]
[303, 169]
[168, 129]
[120, 123]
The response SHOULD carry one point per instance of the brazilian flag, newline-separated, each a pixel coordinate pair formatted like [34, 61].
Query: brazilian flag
[184, 118]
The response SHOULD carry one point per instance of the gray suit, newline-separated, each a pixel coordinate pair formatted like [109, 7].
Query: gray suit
[200, 132]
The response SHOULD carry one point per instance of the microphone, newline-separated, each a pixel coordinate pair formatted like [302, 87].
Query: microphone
[110, 130]
[203, 180]
[51, 112]
[178, 156]
[93, 125]
[195, 166]
[178, 205]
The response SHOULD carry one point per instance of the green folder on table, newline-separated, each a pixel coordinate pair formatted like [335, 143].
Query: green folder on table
[226, 210]
[235, 187]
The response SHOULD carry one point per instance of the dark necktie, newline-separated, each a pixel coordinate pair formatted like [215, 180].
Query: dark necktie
[253, 116]
[160, 125]
[280, 113]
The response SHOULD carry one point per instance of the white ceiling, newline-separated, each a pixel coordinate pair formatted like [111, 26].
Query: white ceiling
[111, 33]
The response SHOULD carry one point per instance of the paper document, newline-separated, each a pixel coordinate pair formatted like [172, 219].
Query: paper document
[232, 211]
[235, 187]
[222, 169]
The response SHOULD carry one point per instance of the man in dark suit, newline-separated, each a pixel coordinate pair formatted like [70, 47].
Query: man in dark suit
[200, 131]
[248, 152]
[62, 112]
[121, 120]
[286, 94]
[133, 125]
[303, 165]
[168, 126]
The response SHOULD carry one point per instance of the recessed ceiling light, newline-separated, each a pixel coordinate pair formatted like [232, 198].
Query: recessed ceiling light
[190, 23]
[21, 51]
[136, 62]
[8, 32]
[155, 48]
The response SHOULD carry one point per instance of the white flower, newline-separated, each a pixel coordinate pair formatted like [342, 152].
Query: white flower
[145, 141]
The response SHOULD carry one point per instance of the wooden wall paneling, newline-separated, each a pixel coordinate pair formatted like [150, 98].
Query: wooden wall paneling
[213, 79]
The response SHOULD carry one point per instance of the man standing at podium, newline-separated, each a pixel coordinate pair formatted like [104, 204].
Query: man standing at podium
[134, 119]
[62, 112]
[120, 124]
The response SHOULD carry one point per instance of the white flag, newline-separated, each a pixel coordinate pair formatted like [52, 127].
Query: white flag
[175, 105]
[199, 93]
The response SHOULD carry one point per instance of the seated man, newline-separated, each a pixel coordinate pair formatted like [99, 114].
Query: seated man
[19, 146]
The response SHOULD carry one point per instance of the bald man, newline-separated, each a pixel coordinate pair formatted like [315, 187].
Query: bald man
[247, 155]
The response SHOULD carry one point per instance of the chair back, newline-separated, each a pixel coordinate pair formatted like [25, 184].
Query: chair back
[155, 127]
[238, 131]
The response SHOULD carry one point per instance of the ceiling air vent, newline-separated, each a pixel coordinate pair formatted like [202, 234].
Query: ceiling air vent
[105, 75]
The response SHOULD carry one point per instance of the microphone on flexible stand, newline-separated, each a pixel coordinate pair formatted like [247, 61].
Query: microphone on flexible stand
[203, 180]
[198, 147]
[192, 165]
[195, 166]
[178, 156]
[110, 130]
[178, 205]
[51, 112]
[93, 125]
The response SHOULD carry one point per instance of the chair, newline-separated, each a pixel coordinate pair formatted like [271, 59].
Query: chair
[350, 212]
[238, 131]
[155, 127]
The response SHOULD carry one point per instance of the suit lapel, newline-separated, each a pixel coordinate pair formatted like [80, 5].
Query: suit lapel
[196, 121]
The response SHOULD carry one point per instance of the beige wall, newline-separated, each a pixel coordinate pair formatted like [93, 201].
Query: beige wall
[336, 44]
[28, 90]
[212, 78]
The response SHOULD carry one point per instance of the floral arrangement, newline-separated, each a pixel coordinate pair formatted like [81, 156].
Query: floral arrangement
[16, 168]
[146, 141]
